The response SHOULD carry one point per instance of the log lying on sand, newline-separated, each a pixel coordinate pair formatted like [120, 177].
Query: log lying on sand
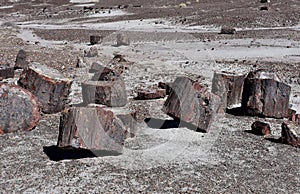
[192, 104]
[265, 95]
[92, 128]
[289, 136]
[6, 69]
[48, 84]
[150, 93]
[19, 109]
[261, 128]
[110, 93]
[229, 87]
[95, 39]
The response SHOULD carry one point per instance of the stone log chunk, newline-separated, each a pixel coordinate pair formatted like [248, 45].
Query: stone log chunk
[95, 39]
[19, 109]
[122, 40]
[167, 86]
[150, 93]
[229, 87]
[261, 128]
[6, 69]
[92, 128]
[265, 95]
[21, 60]
[192, 104]
[110, 93]
[48, 84]
[289, 136]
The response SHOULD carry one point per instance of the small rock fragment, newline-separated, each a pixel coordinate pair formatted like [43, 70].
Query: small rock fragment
[261, 128]
[19, 109]
[150, 93]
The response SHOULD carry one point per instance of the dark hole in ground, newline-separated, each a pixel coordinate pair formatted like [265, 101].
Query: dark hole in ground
[56, 154]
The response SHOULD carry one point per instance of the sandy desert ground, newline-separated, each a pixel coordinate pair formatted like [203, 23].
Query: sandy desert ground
[167, 41]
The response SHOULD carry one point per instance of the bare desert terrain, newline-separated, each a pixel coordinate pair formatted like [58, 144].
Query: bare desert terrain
[167, 39]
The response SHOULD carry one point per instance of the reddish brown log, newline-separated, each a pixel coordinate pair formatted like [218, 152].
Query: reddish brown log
[192, 104]
[19, 109]
[261, 128]
[150, 93]
[289, 136]
[6, 69]
[21, 60]
[110, 93]
[48, 84]
[91, 128]
[265, 95]
[228, 86]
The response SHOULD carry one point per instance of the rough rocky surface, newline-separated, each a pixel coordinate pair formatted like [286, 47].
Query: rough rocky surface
[19, 109]
[166, 42]
[191, 103]
[49, 85]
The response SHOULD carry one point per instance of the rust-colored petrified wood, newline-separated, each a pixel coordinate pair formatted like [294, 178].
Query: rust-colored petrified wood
[192, 104]
[265, 95]
[48, 84]
[229, 87]
[261, 128]
[6, 69]
[21, 60]
[289, 136]
[18, 109]
[93, 128]
[153, 92]
[110, 93]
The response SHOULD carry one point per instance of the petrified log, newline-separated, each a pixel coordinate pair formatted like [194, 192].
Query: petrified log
[192, 104]
[21, 60]
[167, 86]
[105, 74]
[265, 95]
[96, 66]
[289, 136]
[122, 40]
[91, 128]
[19, 109]
[6, 69]
[150, 93]
[95, 39]
[226, 30]
[110, 93]
[229, 87]
[48, 84]
[261, 128]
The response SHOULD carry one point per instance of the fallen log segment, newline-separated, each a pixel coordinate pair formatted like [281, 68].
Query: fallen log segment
[192, 104]
[289, 136]
[6, 69]
[261, 128]
[48, 84]
[229, 87]
[19, 109]
[264, 95]
[150, 93]
[110, 93]
[92, 128]
[21, 60]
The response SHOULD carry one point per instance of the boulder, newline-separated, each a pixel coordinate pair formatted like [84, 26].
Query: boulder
[192, 104]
